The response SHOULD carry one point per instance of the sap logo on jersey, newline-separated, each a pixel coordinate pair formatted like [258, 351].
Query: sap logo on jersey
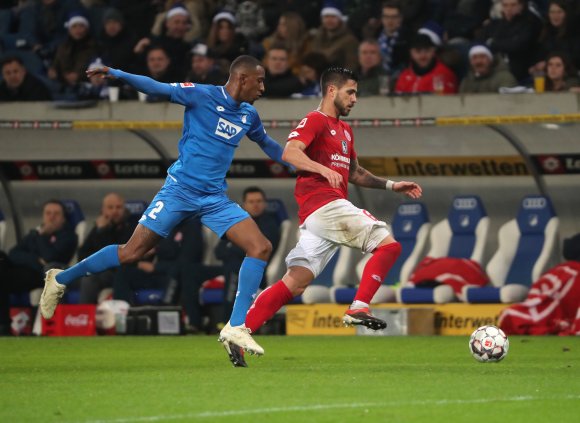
[226, 129]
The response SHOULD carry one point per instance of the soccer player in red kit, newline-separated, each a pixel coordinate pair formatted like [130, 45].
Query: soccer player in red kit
[321, 148]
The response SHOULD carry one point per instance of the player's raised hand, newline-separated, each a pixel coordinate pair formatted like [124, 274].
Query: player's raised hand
[103, 71]
[410, 189]
[333, 178]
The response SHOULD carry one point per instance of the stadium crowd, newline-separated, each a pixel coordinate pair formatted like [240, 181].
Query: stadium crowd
[397, 47]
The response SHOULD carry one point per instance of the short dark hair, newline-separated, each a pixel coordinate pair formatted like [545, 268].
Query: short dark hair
[336, 76]
[251, 190]
[392, 4]
[57, 202]
[244, 62]
[9, 59]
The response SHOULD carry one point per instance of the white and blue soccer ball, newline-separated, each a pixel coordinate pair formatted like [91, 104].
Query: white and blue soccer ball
[488, 344]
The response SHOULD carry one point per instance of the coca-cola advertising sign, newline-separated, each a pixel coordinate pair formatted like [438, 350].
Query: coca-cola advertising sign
[71, 320]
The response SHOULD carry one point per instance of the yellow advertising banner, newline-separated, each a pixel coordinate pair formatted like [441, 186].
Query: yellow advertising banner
[450, 319]
[463, 319]
[446, 166]
[316, 319]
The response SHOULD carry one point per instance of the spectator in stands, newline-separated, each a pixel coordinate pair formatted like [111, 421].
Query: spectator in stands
[165, 268]
[172, 40]
[19, 85]
[197, 11]
[203, 67]
[313, 64]
[159, 68]
[254, 202]
[225, 41]
[514, 36]
[291, 32]
[116, 42]
[334, 39]
[50, 245]
[560, 73]
[112, 226]
[363, 17]
[486, 75]
[370, 70]
[425, 74]
[393, 39]
[462, 19]
[280, 81]
[559, 34]
[95, 88]
[74, 54]
[251, 24]
[43, 26]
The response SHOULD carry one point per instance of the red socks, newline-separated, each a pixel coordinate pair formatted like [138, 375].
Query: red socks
[375, 271]
[267, 304]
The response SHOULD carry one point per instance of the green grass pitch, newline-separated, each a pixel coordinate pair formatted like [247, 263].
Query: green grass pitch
[300, 379]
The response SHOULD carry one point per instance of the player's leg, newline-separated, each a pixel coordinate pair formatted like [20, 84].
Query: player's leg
[167, 209]
[56, 280]
[225, 217]
[375, 271]
[373, 237]
[305, 262]
[247, 236]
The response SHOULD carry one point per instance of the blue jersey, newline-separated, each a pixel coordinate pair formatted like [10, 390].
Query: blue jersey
[213, 126]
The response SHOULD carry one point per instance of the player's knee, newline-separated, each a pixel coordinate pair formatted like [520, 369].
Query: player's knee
[129, 255]
[261, 250]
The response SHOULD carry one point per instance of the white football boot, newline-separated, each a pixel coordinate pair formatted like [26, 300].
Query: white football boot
[51, 294]
[241, 336]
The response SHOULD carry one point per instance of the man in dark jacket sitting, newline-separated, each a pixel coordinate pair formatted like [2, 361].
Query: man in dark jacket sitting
[18, 85]
[50, 245]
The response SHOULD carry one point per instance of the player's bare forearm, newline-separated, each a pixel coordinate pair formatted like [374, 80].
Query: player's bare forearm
[296, 157]
[360, 176]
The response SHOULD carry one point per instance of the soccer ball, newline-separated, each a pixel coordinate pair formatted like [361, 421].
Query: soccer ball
[488, 344]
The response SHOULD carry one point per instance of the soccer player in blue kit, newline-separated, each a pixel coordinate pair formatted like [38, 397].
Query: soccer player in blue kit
[216, 118]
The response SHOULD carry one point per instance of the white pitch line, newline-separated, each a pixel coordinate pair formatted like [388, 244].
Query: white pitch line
[316, 407]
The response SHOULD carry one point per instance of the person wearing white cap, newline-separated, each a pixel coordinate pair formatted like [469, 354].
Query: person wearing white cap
[485, 75]
[74, 54]
[334, 39]
[224, 40]
[191, 10]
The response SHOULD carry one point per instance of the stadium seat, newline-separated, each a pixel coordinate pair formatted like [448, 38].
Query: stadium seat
[277, 266]
[461, 235]
[76, 218]
[527, 247]
[2, 232]
[136, 209]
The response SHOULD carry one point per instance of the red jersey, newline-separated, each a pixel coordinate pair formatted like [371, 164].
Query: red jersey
[330, 142]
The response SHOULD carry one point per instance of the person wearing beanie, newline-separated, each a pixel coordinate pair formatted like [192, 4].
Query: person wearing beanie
[485, 75]
[195, 10]
[425, 73]
[224, 39]
[116, 41]
[334, 39]
[74, 54]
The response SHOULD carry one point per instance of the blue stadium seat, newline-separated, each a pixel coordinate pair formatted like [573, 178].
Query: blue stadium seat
[149, 296]
[462, 234]
[410, 228]
[527, 248]
[75, 218]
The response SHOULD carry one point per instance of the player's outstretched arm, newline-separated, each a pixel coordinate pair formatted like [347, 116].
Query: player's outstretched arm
[273, 150]
[294, 154]
[360, 176]
[139, 82]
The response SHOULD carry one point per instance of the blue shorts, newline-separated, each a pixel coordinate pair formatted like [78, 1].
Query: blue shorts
[174, 203]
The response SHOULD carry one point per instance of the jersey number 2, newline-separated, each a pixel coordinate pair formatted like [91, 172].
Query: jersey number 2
[158, 207]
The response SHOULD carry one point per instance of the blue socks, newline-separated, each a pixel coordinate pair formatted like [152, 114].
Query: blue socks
[102, 260]
[249, 280]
